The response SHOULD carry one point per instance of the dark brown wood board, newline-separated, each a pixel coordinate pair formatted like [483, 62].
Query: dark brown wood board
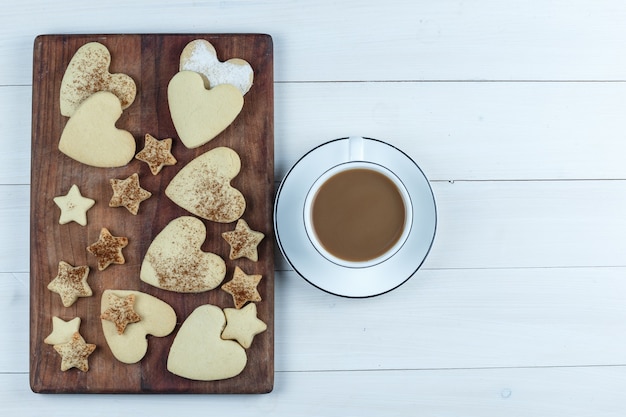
[151, 60]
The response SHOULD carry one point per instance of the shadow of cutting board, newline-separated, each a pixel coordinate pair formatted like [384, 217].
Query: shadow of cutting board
[151, 60]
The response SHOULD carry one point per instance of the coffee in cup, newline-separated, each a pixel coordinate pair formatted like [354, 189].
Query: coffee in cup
[358, 214]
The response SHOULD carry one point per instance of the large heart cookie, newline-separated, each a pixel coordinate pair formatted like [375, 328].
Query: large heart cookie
[203, 187]
[199, 114]
[200, 56]
[90, 135]
[156, 318]
[175, 262]
[88, 73]
[198, 351]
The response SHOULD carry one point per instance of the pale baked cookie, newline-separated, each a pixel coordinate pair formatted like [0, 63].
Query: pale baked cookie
[199, 353]
[62, 330]
[242, 325]
[199, 114]
[156, 153]
[90, 135]
[75, 353]
[128, 193]
[71, 283]
[200, 56]
[175, 262]
[88, 73]
[108, 249]
[73, 206]
[243, 241]
[203, 188]
[156, 318]
[243, 287]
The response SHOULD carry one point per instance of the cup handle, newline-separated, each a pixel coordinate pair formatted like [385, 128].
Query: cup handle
[356, 148]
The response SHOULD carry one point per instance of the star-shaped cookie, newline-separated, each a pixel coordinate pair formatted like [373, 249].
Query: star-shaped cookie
[243, 287]
[156, 153]
[121, 311]
[74, 353]
[73, 206]
[128, 193]
[242, 325]
[62, 330]
[243, 241]
[108, 249]
[70, 283]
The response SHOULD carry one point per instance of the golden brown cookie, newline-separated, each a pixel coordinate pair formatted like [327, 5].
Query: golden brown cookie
[156, 153]
[128, 193]
[75, 353]
[243, 241]
[70, 283]
[243, 287]
[108, 249]
[121, 311]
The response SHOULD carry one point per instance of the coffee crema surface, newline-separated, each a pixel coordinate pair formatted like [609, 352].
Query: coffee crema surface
[358, 214]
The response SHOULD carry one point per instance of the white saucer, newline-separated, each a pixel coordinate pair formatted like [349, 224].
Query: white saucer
[294, 242]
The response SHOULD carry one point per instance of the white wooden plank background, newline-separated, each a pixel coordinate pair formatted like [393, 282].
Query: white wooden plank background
[515, 111]
[356, 40]
[450, 128]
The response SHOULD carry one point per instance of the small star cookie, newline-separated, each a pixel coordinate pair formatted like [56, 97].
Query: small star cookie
[74, 353]
[108, 249]
[243, 241]
[121, 311]
[70, 283]
[73, 206]
[128, 193]
[62, 330]
[243, 287]
[156, 153]
[242, 325]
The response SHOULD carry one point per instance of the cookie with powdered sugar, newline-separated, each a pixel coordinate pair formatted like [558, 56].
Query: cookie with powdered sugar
[200, 56]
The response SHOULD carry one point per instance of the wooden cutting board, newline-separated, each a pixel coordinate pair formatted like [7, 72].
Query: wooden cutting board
[151, 60]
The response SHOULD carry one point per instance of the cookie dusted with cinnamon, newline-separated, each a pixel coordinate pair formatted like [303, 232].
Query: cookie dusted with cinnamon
[71, 283]
[120, 311]
[75, 353]
[243, 241]
[108, 249]
[243, 288]
[128, 193]
[156, 153]
[203, 186]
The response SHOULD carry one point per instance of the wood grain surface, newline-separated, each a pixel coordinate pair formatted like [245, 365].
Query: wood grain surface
[151, 60]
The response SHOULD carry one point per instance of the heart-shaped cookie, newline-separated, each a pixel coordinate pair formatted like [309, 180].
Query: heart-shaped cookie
[156, 318]
[90, 135]
[201, 57]
[175, 262]
[198, 351]
[203, 188]
[199, 114]
[88, 73]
